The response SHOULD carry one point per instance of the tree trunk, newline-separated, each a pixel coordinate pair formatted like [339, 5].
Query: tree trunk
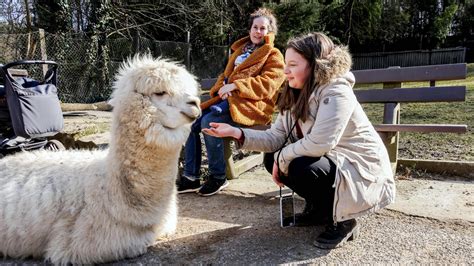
[31, 43]
[349, 24]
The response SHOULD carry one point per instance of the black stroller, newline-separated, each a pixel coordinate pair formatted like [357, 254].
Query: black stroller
[29, 110]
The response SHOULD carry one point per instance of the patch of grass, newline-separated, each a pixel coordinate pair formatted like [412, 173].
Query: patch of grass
[92, 129]
[470, 70]
[446, 146]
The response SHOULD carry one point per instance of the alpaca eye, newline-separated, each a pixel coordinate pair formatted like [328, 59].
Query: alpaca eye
[161, 93]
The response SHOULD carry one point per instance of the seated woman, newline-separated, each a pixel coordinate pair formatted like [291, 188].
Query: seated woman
[249, 85]
[322, 145]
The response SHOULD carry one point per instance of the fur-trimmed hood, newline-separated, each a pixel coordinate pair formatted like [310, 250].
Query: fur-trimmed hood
[338, 63]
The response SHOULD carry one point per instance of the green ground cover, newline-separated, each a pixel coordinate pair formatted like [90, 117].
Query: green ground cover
[442, 146]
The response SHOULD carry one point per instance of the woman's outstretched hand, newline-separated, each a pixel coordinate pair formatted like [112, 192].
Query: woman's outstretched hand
[276, 176]
[222, 130]
[225, 130]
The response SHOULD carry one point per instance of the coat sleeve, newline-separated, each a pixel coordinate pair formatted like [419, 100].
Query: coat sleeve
[336, 106]
[268, 140]
[267, 83]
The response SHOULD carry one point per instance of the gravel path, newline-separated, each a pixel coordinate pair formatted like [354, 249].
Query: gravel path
[234, 229]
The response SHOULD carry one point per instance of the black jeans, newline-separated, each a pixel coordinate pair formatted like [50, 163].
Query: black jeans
[311, 178]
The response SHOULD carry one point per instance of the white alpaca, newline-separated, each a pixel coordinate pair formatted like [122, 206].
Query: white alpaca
[88, 207]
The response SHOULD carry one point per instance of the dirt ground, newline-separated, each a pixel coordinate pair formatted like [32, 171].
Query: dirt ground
[431, 222]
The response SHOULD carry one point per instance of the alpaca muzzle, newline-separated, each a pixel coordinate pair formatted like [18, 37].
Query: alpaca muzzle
[194, 111]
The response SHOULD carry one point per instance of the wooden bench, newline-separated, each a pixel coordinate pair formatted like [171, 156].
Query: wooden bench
[391, 94]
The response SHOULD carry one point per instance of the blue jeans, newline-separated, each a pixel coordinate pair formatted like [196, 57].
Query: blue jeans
[214, 147]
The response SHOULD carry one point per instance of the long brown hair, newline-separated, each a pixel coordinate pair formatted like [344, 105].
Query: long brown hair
[311, 46]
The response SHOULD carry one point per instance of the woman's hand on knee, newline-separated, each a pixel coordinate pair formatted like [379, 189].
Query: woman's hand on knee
[225, 91]
[222, 130]
[276, 175]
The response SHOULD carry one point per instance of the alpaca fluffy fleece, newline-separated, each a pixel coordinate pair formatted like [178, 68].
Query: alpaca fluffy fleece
[86, 207]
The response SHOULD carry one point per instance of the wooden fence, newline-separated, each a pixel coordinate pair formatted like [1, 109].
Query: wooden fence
[409, 58]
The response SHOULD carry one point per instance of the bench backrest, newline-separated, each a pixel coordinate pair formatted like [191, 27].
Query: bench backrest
[206, 84]
[394, 77]
[410, 74]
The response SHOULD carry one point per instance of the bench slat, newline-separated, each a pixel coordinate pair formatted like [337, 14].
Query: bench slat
[425, 94]
[204, 96]
[421, 128]
[207, 84]
[404, 74]
[408, 74]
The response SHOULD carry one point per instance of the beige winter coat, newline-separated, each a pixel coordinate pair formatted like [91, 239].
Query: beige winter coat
[338, 128]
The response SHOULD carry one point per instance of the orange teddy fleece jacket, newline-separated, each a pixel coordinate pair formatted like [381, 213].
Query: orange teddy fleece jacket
[258, 80]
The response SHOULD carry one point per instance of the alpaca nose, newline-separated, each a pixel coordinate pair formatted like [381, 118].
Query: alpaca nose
[194, 103]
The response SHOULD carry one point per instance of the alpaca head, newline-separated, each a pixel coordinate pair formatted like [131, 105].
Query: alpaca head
[158, 98]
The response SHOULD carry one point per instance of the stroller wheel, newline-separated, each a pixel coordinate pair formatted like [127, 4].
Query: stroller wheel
[54, 145]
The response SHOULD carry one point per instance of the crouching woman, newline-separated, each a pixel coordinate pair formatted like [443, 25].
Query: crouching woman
[322, 144]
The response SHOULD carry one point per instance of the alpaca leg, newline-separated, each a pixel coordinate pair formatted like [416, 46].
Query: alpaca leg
[58, 251]
[94, 242]
[169, 222]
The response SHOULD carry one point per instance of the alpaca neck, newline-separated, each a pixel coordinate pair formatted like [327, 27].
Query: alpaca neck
[139, 168]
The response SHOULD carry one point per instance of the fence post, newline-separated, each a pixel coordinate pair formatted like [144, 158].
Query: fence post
[391, 115]
[136, 42]
[44, 56]
[188, 52]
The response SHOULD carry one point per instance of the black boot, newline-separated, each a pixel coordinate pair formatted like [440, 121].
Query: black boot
[310, 216]
[336, 235]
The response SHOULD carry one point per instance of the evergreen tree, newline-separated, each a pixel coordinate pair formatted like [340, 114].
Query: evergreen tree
[53, 16]
[295, 18]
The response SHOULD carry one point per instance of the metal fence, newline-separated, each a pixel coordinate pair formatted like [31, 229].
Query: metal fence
[409, 58]
[86, 69]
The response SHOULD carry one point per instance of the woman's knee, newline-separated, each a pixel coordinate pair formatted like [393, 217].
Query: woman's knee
[268, 161]
[298, 166]
[308, 166]
[206, 120]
